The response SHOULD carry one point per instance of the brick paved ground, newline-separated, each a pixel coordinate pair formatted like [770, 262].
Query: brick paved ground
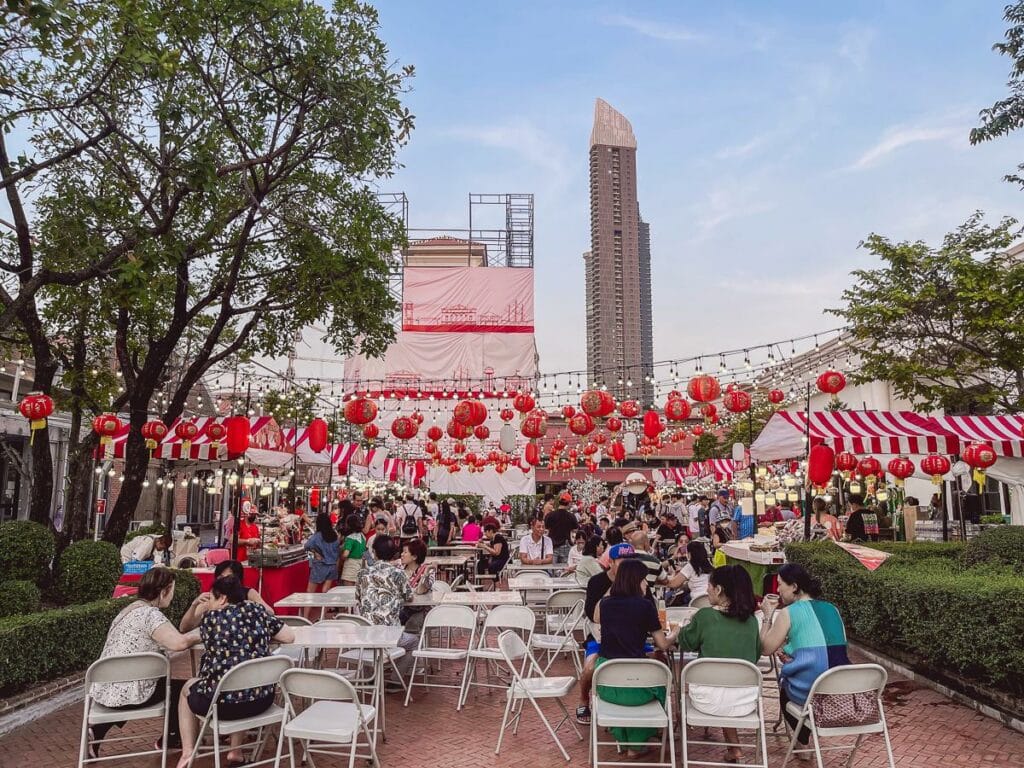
[928, 731]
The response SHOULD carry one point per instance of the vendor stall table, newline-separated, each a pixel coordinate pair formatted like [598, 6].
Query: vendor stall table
[517, 583]
[758, 564]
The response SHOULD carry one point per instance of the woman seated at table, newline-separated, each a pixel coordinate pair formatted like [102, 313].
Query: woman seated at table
[352, 550]
[693, 576]
[142, 627]
[719, 536]
[195, 611]
[421, 579]
[233, 630]
[808, 634]
[326, 548]
[726, 630]
[627, 617]
[589, 564]
[494, 551]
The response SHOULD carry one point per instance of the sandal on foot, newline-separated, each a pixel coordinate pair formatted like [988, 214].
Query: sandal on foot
[583, 715]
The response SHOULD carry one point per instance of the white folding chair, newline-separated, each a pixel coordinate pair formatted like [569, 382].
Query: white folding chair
[632, 673]
[842, 681]
[529, 684]
[735, 675]
[131, 668]
[334, 716]
[501, 617]
[536, 598]
[443, 617]
[300, 656]
[364, 658]
[558, 604]
[254, 673]
[563, 639]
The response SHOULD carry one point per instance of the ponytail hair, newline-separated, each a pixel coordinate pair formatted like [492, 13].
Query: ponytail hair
[735, 583]
[797, 576]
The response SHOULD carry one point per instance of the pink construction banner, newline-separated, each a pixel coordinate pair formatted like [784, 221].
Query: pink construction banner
[467, 300]
[866, 556]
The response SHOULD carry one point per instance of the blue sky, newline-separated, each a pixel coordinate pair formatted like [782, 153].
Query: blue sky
[772, 139]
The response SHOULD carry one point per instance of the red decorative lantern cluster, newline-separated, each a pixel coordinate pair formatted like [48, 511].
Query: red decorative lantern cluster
[154, 431]
[535, 425]
[239, 430]
[523, 402]
[629, 409]
[360, 411]
[677, 409]
[901, 468]
[831, 383]
[316, 434]
[846, 461]
[704, 388]
[106, 425]
[820, 463]
[470, 413]
[936, 466]
[36, 407]
[869, 466]
[597, 403]
[736, 401]
[581, 424]
[776, 396]
[481, 432]
[186, 431]
[405, 428]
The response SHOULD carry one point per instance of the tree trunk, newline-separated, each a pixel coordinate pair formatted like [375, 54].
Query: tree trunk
[81, 476]
[136, 464]
[41, 500]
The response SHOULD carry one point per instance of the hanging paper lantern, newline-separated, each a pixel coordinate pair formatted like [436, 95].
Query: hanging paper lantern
[507, 414]
[831, 383]
[629, 442]
[215, 431]
[360, 411]
[600, 438]
[404, 428]
[154, 431]
[589, 449]
[531, 454]
[979, 456]
[507, 438]
[523, 402]
[470, 413]
[106, 425]
[482, 432]
[316, 432]
[846, 461]
[629, 409]
[776, 396]
[535, 425]
[617, 451]
[435, 433]
[372, 431]
[238, 435]
[36, 407]
[736, 401]
[677, 409]
[869, 466]
[417, 417]
[675, 394]
[430, 448]
[459, 448]
[458, 431]
[591, 467]
[558, 445]
[568, 412]
[820, 463]
[901, 468]
[710, 412]
[614, 424]
[469, 459]
[936, 466]
[697, 430]
[704, 388]
[186, 431]
[581, 424]
[653, 425]
[597, 403]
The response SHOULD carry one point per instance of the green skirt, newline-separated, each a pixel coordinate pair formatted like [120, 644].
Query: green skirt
[630, 697]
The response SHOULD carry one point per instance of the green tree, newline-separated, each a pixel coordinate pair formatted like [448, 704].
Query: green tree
[707, 446]
[746, 427]
[945, 325]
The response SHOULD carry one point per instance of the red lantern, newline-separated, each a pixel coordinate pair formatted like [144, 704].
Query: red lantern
[617, 451]
[820, 463]
[154, 431]
[417, 417]
[186, 431]
[360, 411]
[581, 424]
[568, 412]
[710, 412]
[535, 425]
[238, 435]
[316, 432]
[469, 458]
[831, 383]
[979, 455]
[736, 401]
[653, 425]
[106, 425]
[558, 445]
[470, 413]
[846, 462]
[697, 430]
[430, 448]
[435, 433]
[589, 449]
[482, 432]
[901, 468]
[523, 402]
[704, 388]
[869, 466]
[372, 431]
[776, 396]
[936, 466]
[507, 414]
[404, 428]
[531, 454]
[629, 409]
[591, 467]
[215, 431]
[458, 431]
[459, 448]
[675, 394]
[677, 409]
[597, 403]
[36, 407]
[600, 438]
[614, 424]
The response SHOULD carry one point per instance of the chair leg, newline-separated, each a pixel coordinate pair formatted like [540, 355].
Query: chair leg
[291, 752]
[504, 723]
[83, 745]
[540, 713]
[280, 748]
[853, 751]
[792, 742]
[888, 743]
[463, 688]
[412, 678]
[817, 748]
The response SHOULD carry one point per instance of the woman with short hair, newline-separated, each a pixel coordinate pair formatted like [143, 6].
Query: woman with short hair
[350, 558]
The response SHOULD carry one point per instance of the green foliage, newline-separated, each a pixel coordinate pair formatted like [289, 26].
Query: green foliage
[186, 589]
[993, 520]
[26, 549]
[744, 430]
[1003, 546]
[945, 325]
[924, 605]
[473, 502]
[522, 505]
[146, 530]
[19, 597]
[44, 646]
[88, 571]
[706, 446]
[1007, 114]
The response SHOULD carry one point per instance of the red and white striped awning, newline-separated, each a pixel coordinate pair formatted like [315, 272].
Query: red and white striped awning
[1004, 433]
[172, 447]
[721, 469]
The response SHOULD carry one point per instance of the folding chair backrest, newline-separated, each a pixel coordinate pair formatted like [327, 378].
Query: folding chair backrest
[565, 598]
[535, 578]
[346, 618]
[512, 648]
[722, 673]
[295, 621]
[317, 685]
[254, 673]
[850, 678]
[633, 673]
[129, 668]
[457, 616]
[441, 587]
[510, 617]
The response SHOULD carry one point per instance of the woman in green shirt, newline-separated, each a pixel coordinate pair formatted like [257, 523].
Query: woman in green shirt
[726, 630]
[352, 550]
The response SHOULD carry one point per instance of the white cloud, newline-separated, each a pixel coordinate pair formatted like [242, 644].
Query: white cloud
[654, 29]
[900, 136]
[726, 202]
[741, 150]
[525, 139]
[855, 45]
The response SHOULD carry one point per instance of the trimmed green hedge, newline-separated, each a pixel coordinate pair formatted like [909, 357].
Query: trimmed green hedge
[1004, 545]
[186, 589]
[26, 549]
[19, 597]
[88, 571]
[923, 604]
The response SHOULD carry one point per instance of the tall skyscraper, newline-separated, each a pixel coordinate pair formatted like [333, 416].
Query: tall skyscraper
[620, 344]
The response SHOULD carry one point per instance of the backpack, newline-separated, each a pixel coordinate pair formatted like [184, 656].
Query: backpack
[409, 525]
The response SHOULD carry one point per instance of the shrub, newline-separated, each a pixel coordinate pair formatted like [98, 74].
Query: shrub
[18, 597]
[26, 549]
[88, 571]
[1004, 544]
[993, 520]
[44, 646]
[151, 530]
[186, 589]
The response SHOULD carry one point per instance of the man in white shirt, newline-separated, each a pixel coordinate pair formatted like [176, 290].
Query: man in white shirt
[696, 511]
[410, 519]
[536, 549]
[602, 508]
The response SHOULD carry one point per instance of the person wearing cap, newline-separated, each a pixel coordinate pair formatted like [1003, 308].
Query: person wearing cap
[721, 510]
[560, 523]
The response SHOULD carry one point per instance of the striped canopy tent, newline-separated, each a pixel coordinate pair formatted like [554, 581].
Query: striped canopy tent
[721, 469]
[172, 448]
[1004, 433]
